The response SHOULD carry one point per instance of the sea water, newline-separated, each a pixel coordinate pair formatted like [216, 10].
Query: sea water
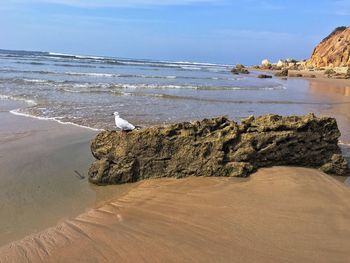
[86, 90]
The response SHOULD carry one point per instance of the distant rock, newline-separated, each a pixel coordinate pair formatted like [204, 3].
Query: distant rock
[283, 73]
[265, 63]
[217, 147]
[264, 76]
[234, 71]
[311, 76]
[329, 72]
[240, 69]
[333, 51]
[296, 75]
[281, 64]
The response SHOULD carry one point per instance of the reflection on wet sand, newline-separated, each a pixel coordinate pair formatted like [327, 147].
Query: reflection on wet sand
[336, 95]
[320, 86]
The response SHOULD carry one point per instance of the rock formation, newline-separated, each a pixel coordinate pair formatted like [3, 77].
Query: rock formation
[333, 51]
[239, 69]
[217, 147]
[265, 63]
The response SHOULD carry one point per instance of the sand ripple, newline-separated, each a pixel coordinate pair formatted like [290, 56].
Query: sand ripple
[278, 215]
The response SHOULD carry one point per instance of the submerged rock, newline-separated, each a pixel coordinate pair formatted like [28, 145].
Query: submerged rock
[217, 147]
[264, 76]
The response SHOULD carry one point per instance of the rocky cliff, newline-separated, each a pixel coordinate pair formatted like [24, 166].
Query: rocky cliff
[217, 147]
[333, 51]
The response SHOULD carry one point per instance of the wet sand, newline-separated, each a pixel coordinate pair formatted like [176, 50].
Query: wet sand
[277, 215]
[334, 92]
[340, 109]
[39, 187]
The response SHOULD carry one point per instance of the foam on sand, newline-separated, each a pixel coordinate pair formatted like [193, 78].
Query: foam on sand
[32, 103]
[56, 119]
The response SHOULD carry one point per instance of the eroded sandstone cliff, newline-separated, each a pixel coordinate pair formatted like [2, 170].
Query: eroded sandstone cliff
[217, 147]
[333, 51]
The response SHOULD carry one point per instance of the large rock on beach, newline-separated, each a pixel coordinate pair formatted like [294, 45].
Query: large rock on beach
[217, 147]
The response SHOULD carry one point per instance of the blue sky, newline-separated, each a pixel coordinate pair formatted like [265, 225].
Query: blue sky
[222, 31]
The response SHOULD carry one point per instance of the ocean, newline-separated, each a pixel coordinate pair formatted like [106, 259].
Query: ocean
[86, 90]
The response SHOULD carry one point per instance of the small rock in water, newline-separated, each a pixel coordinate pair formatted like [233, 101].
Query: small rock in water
[264, 76]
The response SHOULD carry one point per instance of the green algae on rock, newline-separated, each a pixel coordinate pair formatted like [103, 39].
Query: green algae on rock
[217, 147]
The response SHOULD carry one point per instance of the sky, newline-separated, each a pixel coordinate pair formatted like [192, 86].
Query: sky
[217, 31]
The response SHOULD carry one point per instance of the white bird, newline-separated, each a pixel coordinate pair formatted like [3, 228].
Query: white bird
[122, 124]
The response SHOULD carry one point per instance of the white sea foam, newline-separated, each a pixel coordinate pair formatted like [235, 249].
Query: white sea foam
[105, 87]
[33, 103]
[91, 74]
[56, 119]
[132, 61]
[36, 80]
[191, 68]
[9, 97]
[155, 86]
[74, 56]
[343, 143]
[71, 91]
[196, 63]
[280, 87]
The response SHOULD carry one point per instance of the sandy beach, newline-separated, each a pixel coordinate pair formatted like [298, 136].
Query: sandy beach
[277, 215]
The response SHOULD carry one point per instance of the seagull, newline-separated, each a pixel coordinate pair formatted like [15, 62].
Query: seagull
[122, 124]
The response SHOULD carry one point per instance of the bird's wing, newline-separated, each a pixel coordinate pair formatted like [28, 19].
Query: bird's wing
[123, 124]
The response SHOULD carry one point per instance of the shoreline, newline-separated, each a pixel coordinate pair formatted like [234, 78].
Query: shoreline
[319, 76]
[30, 102]
[15, 112]
[38, 160]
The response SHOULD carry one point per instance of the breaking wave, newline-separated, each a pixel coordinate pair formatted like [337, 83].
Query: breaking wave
[30, 102]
